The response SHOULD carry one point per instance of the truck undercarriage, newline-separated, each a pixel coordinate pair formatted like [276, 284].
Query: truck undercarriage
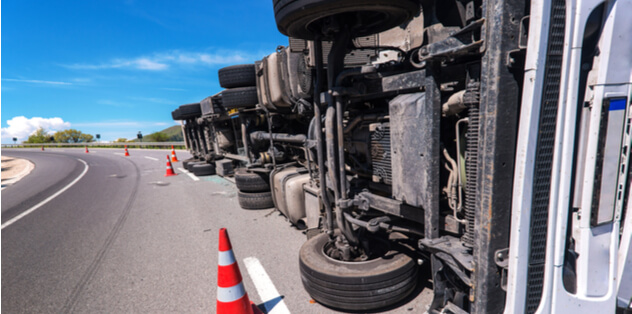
[389, 131]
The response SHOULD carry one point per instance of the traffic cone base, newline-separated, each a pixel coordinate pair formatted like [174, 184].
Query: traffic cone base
[170, 171]
[231, 294]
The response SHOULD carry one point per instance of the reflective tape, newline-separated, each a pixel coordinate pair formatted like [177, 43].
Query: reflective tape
[226, 258]
[231, 294]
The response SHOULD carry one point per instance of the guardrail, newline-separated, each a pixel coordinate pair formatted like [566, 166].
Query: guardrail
[148, 145]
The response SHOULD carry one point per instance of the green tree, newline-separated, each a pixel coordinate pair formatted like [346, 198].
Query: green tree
[121, 140]
[72, 136]
[158, 137]
[39, 136]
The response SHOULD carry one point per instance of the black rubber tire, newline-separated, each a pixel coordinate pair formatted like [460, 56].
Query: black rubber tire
[176, 114]
[190, 111]
[192, 163]
[247, 181]
[356, 286]
[258, 200]
[203, 169]
[240, 97]
[240, 75]
[185, 163]
[299, 18]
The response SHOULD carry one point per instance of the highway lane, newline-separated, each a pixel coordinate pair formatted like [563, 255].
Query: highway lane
[49, 254]
[127, 239]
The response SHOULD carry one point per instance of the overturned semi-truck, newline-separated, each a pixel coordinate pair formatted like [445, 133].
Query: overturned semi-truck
[483, 145]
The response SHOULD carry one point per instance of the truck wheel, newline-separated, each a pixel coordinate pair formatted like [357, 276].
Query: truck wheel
[237, 76]
[301, 18]
[240, 97]
[203, 169]
[176, 114]
[190, 111]
[185, 164]
[252, 181]
[355, 286]
[258, 200]
[192, 163]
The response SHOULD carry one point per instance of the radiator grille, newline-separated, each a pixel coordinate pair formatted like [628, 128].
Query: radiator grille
[381, 152]
[544, 156]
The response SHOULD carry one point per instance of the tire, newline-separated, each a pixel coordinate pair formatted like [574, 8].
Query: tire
[176, 114]
[203, 169]
[240, 97]
[300, 18]
[192, 163]
[355, 286]
[237, 76]
[258, 200]
[252, 181]
[185, 163]
[190, 111]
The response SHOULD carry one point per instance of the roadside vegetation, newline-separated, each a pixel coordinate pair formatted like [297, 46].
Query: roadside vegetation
[74, 138]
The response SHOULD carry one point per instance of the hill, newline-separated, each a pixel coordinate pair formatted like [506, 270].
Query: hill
[173, 134]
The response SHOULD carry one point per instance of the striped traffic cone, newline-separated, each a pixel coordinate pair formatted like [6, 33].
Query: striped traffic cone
[87, 149]
[174, 158]
[42, 147]
[170, 171]
[126, 152]
[231, 294]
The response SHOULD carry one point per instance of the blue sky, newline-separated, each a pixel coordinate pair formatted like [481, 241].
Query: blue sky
[116, 67]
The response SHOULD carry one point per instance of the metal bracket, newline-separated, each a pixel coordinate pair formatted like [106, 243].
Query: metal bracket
[451, 246]
[501, 258]
[460, 43]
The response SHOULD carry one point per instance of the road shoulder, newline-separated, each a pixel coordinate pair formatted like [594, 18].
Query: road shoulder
[14, 169]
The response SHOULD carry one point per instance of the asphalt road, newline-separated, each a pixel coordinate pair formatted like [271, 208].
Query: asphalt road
[126, 239]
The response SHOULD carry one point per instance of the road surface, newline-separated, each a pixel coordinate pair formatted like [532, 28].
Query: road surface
[123, 238]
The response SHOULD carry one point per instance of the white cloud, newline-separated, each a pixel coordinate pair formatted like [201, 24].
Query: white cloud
[174, 89]
[113, 103]
[147, 64]
[155, 100]
[21, 127]
[174, 58]
[37, 81]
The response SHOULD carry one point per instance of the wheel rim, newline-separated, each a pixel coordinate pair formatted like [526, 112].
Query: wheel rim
[331, 252]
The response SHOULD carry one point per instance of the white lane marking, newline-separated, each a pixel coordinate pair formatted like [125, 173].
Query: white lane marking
[42, 203]
[265, 287]
[19, 176]
[121, 154]
[152, 158]
[192, 176]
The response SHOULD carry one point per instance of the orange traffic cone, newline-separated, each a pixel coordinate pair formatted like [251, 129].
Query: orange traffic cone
[170, 171]
[231, 294]
[126, 152]
[174, 158]
[87, 149]
[42, 147]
